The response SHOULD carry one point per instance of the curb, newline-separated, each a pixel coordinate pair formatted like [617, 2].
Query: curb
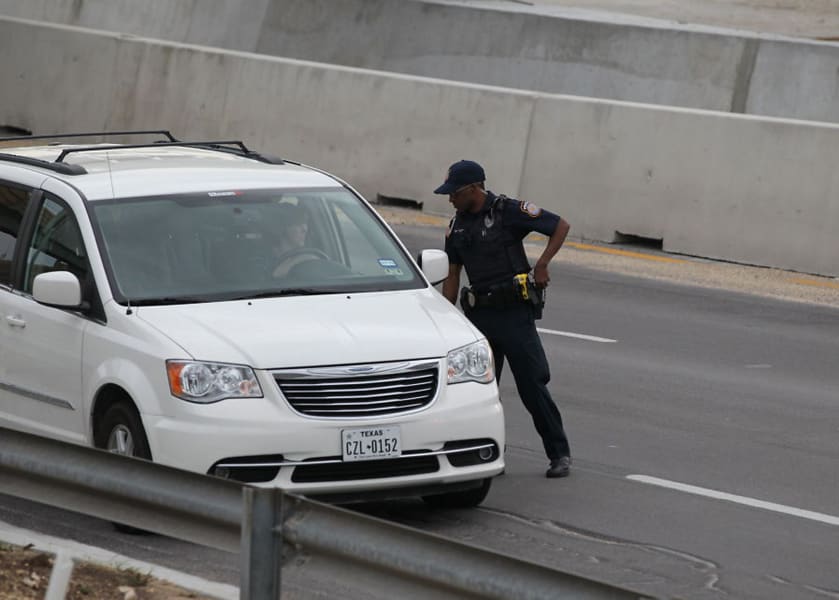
[67, 551]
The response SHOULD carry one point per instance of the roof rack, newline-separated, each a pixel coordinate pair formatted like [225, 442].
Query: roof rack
[235, 147]
[56, 136]
[63, 168]
[229, 146]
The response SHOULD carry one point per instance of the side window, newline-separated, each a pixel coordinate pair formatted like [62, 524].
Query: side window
[57, 244]
[13, 203]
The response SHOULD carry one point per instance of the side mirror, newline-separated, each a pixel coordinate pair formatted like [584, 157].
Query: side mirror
[57, 288]
[434, 264]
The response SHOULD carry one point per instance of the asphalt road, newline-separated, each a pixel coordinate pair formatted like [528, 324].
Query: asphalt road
[735, 395]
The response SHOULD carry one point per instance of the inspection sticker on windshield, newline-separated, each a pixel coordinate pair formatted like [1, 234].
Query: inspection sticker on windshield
[390, 267]
[371, 443]
[217, 194]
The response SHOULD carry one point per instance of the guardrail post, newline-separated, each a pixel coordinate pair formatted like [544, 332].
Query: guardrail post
[262, 544]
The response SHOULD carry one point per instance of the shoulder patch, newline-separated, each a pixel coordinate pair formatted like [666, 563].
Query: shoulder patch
[530, 208]
[451, 226]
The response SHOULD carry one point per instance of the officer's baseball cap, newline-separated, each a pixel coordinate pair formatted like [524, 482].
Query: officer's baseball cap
[461, 174]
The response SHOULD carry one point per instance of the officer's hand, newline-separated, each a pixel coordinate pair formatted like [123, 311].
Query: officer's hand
[540, 275]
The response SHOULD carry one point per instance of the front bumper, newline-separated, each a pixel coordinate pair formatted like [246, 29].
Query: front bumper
[303, 454]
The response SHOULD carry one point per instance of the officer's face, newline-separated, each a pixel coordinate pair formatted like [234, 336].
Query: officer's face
[465, 198]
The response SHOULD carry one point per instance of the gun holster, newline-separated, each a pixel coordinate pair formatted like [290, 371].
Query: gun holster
[530, 293]
[468, 299]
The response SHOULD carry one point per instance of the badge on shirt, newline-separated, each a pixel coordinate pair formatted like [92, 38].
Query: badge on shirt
[530, 208]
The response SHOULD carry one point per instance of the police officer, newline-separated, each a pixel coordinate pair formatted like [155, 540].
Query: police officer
[485, 236]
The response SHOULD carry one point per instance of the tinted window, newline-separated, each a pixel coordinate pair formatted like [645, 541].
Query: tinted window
[57, 244]
[13, 203]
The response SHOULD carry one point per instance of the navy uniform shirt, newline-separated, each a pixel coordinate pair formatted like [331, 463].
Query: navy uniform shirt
[489, 243]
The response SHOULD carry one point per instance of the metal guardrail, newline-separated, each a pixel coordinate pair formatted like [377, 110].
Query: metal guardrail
[269, 527]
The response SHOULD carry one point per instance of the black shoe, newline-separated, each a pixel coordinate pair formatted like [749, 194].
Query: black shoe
[560, 467]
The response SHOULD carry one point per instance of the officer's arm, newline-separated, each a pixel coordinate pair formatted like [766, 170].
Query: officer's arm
[452, 282]
[540, 270]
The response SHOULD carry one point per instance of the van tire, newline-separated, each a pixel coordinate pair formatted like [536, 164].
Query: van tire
[121, 431]
[461, 499]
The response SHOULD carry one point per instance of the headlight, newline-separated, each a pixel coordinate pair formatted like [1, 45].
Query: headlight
[210, 382]
[471, 363]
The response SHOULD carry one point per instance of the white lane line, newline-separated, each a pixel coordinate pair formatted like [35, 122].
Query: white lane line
[745, 500]
[579, 336]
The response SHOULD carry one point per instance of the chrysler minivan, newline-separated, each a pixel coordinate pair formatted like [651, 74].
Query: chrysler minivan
[210, 308]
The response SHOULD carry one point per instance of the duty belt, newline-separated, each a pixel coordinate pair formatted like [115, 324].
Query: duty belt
[499, 297]
[521, 289]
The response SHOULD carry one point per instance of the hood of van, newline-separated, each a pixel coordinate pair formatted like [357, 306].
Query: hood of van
[303, 331]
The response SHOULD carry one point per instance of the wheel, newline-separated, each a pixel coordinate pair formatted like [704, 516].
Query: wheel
[120, 431]
[461, 499]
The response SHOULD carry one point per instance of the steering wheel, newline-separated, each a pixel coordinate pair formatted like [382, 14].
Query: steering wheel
[315, 252]
[288, 260]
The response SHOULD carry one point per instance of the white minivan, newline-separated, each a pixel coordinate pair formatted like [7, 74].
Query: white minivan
[225, 312]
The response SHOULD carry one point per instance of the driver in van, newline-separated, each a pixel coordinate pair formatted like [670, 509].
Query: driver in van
[290, 249]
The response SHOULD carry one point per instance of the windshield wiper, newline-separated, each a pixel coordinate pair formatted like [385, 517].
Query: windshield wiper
[287, 292]
[166, 300]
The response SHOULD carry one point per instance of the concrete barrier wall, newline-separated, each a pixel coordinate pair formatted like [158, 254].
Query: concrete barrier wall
[510, 48]
[387, 134]
[798, 81]
[740, 188]
[750, 190]
[232, 24]
[516, 50]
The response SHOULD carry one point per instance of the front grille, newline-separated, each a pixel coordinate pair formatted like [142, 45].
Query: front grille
[369, 395]
[366, 469]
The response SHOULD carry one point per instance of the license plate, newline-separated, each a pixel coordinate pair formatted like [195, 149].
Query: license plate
[370, 443]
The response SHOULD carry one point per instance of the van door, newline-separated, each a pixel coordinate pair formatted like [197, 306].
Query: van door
[44, 357]
[14, 201]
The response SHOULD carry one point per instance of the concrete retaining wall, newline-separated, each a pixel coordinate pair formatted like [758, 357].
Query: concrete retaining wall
[232, 24]
[750, 190]
[387, 134]
[510, 48]
[740, 188]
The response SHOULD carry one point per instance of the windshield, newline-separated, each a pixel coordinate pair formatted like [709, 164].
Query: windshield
[229, 245]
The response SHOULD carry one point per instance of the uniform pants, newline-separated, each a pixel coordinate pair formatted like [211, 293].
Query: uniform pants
[512, 334]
